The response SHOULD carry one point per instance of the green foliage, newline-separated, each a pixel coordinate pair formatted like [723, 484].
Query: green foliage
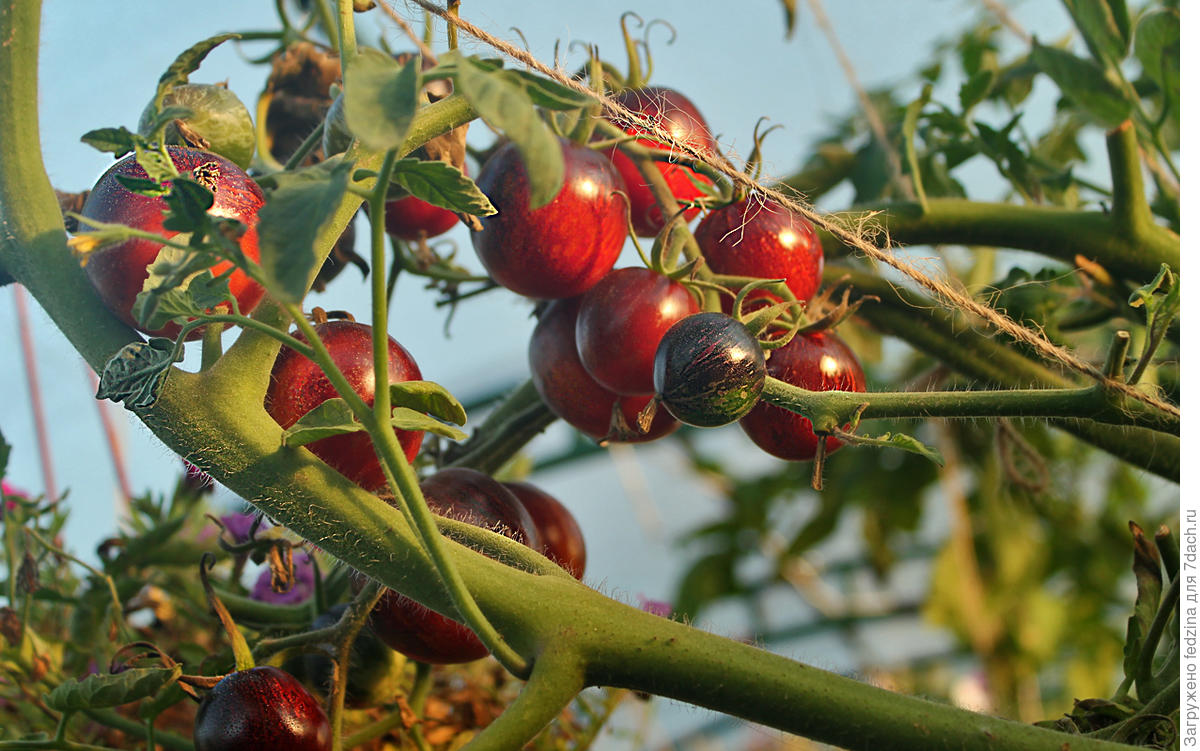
[381, 98]
[438, 183]
[106, 690]
[135, 374]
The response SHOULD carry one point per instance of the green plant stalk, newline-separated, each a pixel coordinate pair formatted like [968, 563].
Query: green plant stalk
[217, 418]
[346, 41]
[829, 410]
[351, 622]
[1053, 232]
[557, 678]
[948, 337]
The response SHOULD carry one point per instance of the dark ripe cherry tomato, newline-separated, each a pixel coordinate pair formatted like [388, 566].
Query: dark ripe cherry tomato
[258, 709]
[562, 539]
[562, 248]
[423, 634]
[817, 362]
[709, 370]
[298, 386]
[621, 320]
[572, 394]
[118, 272]
[676, 114]
[758, 237]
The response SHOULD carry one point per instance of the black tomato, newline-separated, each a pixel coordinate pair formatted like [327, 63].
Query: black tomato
[562, 539]
[709, 370]
[261, 709]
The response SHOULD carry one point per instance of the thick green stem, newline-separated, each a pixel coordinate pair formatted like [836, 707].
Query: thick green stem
[1053, 232]
[558, 676]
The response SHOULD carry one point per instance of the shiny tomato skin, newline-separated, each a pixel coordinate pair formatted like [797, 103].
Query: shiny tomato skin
[817, 362]
[298, 385]
[118, 272]
[676, 114]
[261, 708]
[562, 539]
[423, 634]
[570, 392]
[410, 218]
[621, 321]
[758, 237]
[709, 370]
[560, 249]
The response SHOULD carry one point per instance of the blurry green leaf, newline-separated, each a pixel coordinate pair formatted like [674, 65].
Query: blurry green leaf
[1008, 156]
[975, 89]
[911, 114]
[185, 64]
[898, 441]
[709, 579]
[430, 397]
[381, 98]
[789, 17]
[549, 94]
[870, 174]
[110, 690]
[1085, 83]
[819, 526]
[1147, 571]
[1105, 27]
[1156, 45]
[188, 203]
[135, 374]
[290, 222]
[5, 452]
[505, 105]
[140, 549]
[440, 184]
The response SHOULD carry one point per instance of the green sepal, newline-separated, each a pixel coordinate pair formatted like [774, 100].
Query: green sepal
[110, 690]
[290, 223]
[428, 397]
[380, 98]
[136, 373]
[441, 184]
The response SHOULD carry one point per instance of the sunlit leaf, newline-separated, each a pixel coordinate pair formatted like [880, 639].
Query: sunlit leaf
[380, 98]
[428, 397]
[440, 184]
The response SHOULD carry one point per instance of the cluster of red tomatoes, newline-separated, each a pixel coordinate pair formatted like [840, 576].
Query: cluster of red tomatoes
[607, 343]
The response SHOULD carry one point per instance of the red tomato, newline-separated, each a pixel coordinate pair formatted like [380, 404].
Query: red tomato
[562, 539]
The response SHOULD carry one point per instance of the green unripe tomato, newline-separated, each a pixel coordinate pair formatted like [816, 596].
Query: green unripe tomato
[218, 117]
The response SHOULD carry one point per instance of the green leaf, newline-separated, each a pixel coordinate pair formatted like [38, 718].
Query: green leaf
[110, 690]
[428, 397]
[549, 94]
[186, 63]
[504, 104]
[136, 373]
[975, 89]
[290, 222]
[142, 186]
[330, 417]
[188, 204]
[5, 452]
[193, 297]
[1147, 571]
[896, 441]
[440, 184]
[1085, 83]
[409, 419]
[1105, 27]
[119, 141]
[1156, 45]
[381, 98]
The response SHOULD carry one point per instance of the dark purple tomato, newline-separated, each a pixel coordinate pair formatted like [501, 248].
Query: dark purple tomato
[298, 386]
[261, 709]
[560, 249]
[709, 370]
[676, 114]
[621, 320]
[422, 634]
[118, 272]
[562, 539]
[758, 237]
[817, 362]
[571, 393]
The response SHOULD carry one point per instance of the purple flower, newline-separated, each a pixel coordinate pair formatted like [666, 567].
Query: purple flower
[655, 607]
[302, 587]
[238, 525]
